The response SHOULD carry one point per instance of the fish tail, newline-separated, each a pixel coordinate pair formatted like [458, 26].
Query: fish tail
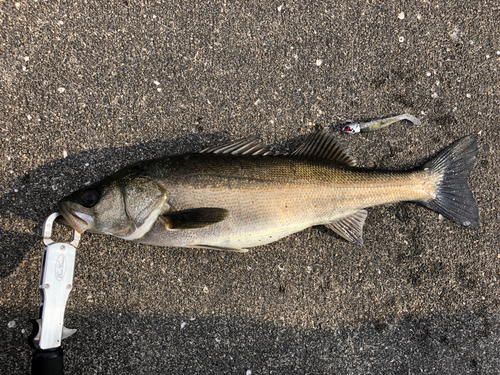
[453, 198]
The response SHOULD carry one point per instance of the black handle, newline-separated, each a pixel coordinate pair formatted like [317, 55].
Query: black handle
[47, 362]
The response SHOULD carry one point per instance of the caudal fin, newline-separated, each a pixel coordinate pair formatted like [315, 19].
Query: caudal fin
[454, 200]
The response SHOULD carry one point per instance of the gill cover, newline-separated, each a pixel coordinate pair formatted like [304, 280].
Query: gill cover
[144, 201]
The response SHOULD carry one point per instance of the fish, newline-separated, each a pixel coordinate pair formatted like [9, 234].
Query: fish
[364, 127]
[241, 195]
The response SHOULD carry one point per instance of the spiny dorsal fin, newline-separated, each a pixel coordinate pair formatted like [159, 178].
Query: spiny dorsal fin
[248, 146]
[194, 218]
[322, 145]
[350, 227]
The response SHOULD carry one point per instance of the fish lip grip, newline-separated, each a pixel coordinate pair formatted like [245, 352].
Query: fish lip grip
[56, 282]
[47, 231]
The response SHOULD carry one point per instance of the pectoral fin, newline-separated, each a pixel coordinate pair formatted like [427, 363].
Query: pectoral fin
[350, 227]
[194, 218]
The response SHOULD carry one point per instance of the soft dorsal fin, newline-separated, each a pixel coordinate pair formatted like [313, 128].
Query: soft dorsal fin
[248, 146]
[350, 227]
[322, 145]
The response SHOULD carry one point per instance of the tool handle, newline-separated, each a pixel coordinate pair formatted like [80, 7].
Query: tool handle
[47, 362]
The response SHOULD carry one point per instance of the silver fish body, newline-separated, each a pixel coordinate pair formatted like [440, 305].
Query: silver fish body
[233, 198]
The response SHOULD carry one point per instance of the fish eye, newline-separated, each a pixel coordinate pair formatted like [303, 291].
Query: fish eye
[89, 197]
[347, 129]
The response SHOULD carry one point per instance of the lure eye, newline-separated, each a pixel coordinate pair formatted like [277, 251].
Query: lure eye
[347, 129]
[89, 198]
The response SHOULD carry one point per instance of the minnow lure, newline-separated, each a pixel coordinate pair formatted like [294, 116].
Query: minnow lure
[364, 127]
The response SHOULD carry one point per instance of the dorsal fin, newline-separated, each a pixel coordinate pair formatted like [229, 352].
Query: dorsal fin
[322, 145]
[248, 146]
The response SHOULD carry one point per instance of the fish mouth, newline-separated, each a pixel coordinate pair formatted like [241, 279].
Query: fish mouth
[76, 220]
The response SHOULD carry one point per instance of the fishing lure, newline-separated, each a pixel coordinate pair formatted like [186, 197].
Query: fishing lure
[364, 127]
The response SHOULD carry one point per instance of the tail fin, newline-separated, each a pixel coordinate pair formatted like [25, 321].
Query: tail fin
[453, 198]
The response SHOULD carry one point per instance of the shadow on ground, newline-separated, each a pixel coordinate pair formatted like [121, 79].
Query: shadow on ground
[444, 344]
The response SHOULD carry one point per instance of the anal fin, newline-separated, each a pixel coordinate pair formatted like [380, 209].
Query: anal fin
[350, 227]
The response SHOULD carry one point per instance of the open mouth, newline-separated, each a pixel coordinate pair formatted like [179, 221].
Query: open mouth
[76, 220]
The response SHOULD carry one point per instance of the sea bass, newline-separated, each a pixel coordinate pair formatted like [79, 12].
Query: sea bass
[242, 195]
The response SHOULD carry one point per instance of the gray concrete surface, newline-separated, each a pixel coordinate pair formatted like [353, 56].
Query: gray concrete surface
[86, 88]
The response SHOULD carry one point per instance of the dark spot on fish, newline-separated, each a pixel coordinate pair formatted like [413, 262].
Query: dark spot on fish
[200, 129]
[444, 340]
[484, 163]
[318, 127]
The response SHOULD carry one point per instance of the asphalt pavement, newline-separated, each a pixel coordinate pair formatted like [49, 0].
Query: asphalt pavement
[89, 87]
